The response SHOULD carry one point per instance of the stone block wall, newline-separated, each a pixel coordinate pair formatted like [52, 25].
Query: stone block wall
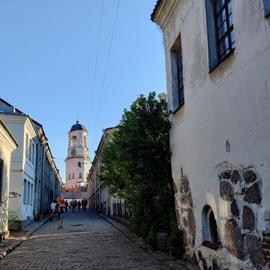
[266, 247]
[242, 189]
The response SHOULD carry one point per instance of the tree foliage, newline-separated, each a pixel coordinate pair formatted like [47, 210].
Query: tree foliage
[136, 166]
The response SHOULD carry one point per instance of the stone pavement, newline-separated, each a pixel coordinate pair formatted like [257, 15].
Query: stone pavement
[86, 242]
[16, 238]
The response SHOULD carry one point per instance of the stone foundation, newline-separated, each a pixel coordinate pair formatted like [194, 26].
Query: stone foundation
[241, 188]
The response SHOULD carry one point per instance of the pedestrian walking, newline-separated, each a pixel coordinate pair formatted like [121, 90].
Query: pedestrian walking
[59, 213]
[79, 206]
[60, 219]
[72, 204]
[52, 209]
[84, 204]
[76, 203]
[66, 206]
[61, 205]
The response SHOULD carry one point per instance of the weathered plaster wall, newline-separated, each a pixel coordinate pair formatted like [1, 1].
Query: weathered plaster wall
[224, 125]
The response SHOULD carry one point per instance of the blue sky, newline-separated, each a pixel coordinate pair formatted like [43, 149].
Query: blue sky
[48, 53]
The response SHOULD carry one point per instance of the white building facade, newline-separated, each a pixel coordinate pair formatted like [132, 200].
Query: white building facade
[218, 64]
[7, 145]
[34, 177]
[23, 166]
[77, 161]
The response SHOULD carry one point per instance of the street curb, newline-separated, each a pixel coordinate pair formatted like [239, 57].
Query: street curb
[161, 257]
[11, 247]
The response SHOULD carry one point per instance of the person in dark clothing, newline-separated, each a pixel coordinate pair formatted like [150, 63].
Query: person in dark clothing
[66, 206]
[79, 206]
[84, 204]
[73, 204]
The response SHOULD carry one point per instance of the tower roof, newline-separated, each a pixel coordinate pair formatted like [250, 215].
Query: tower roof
[77, 126]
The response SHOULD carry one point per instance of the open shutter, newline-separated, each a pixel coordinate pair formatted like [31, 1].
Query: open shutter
[211, 34]
[266, 7]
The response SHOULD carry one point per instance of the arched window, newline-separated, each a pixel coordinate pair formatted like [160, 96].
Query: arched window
[79, 164]
[209, 228]
[80, 175]
[73, 141]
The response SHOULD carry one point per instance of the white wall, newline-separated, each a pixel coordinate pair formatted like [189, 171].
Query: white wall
[230, 104]
[21, 167]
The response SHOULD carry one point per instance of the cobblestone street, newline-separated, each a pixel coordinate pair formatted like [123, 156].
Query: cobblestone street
[86, 242]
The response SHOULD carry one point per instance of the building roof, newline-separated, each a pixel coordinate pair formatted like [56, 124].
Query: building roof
[9, 133]
[158, 3]
[77, 126]
[15, 111]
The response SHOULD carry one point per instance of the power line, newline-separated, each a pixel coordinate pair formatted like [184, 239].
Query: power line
[96, 64]
[107, 63]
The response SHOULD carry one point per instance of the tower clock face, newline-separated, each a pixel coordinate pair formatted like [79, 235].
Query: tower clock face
[73, 152]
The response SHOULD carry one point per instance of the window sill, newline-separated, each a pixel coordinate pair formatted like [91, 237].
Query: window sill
[214, 246]
[176, 110]
[221, 61]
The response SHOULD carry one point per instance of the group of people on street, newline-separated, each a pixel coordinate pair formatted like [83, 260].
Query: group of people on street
[59, 206]
[78, 204]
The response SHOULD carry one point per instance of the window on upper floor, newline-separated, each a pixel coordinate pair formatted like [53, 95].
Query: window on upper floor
[73, 176]
[1, 178]
[177, 75]
[80, 175]
[220, 31]
[30, 151]
[79, 164]
[27, 145]
[266, 7]
[69, 176]
[209, 228]
[33, 152]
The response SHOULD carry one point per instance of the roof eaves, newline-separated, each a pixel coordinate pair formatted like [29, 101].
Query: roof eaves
[158, 3]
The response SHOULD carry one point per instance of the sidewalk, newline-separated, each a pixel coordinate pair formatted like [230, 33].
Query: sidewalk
[158, 255]
[16, 238]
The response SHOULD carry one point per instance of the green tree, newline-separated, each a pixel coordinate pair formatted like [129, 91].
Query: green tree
[137, 167]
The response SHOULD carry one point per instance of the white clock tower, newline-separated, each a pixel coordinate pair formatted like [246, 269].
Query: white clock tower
[77, 161]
